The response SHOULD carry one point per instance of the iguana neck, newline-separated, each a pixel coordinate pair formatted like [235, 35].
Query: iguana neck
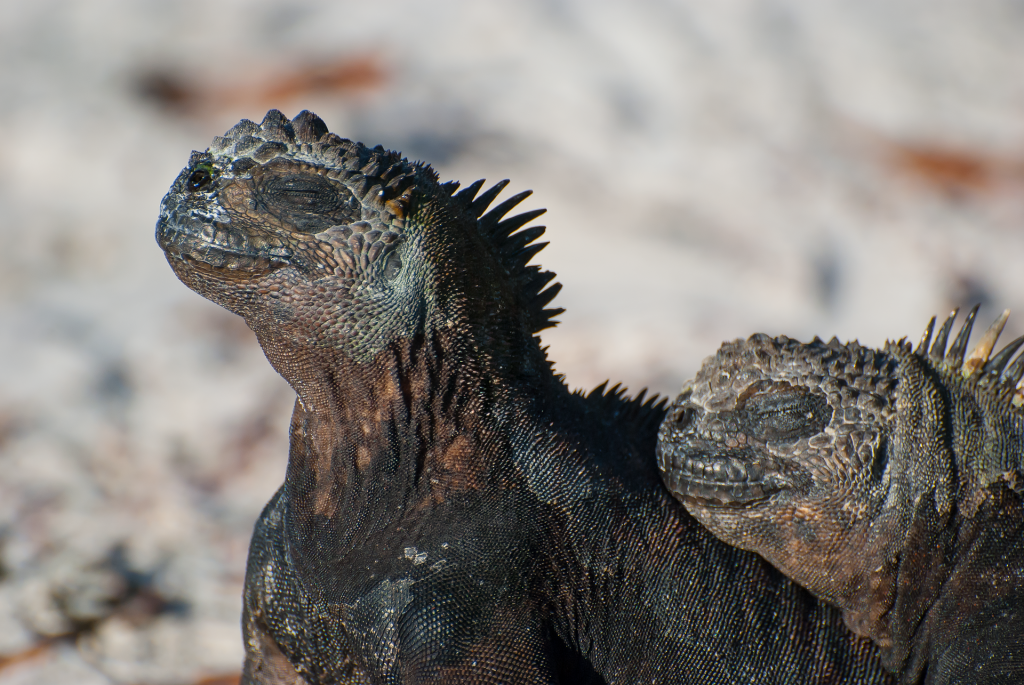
[371, 442]
[987, 441]
[905, 565]
[952, 447]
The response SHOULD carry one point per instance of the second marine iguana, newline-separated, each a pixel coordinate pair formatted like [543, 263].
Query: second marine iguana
[451, 511]
[888, 482]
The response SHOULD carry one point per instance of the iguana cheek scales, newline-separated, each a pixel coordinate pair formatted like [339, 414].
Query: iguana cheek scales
[451, 511]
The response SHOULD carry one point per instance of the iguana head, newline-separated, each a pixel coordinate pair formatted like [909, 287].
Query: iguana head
[320, 242]
[772, 420]
[815, 455]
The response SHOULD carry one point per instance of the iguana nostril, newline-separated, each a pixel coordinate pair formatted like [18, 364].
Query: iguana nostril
[683, 416]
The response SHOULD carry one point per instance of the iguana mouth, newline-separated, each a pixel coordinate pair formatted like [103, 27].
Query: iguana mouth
[216, 249]
[232, 264]
[720, 479]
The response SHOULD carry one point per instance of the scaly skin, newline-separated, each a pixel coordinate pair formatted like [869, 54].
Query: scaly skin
[451, 512]
[887, 482]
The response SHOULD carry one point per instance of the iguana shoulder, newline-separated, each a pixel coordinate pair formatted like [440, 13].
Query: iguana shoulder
[451, 511]
[888, 482]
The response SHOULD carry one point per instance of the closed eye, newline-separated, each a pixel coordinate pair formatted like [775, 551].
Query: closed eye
[302, 192]
[787, 414]
[308, 202]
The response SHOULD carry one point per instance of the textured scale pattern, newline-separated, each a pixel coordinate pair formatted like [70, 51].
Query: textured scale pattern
[888, 482]
[451, 511]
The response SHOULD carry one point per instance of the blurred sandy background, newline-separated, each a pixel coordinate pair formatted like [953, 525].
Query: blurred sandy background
[710, 170]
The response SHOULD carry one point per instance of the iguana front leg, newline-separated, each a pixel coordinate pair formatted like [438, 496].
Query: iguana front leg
[265, 663]
[288, 640]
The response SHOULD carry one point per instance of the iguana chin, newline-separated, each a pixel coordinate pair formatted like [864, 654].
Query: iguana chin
[887, 482]
[451, 511]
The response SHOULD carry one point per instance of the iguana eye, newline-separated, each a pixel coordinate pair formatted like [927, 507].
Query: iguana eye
[787, 414]
[307, 202]
[200, 178]
[392, 265]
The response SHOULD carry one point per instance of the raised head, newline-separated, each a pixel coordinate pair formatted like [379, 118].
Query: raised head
[818, 456]
[327, 246]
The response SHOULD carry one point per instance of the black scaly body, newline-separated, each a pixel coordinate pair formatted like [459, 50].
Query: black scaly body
[451, 512]
[888, 482]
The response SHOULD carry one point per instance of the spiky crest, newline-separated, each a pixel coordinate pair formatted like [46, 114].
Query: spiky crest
[990, 372]
[514, 248]
[926, 337]
[639, 412]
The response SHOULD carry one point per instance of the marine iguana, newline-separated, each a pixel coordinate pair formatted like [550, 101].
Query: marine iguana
[451, 511]
[887, 482]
